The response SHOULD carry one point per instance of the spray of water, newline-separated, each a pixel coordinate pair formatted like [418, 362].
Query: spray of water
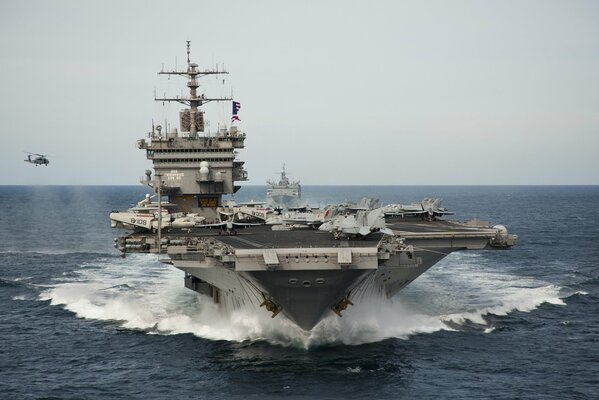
[141, 293]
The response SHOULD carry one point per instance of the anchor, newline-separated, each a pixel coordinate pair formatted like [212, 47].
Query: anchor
[342, 305]
[270, 305]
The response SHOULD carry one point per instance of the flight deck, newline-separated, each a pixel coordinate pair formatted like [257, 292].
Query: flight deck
[264, 237]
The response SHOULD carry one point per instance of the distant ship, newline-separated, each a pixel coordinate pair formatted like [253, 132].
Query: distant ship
[283, 194]
[305, 264]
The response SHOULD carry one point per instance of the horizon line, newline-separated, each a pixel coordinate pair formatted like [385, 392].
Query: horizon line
[334, 185]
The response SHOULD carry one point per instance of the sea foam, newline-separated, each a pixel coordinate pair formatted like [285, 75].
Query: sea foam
[141, 293]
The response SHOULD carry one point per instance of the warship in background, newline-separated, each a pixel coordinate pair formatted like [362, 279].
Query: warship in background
[283, 194]
[302, 264]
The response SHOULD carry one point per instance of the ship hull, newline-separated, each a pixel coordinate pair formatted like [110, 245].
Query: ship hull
[284, 200]
[306, 296]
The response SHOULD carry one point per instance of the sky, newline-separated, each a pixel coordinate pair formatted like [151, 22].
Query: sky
[342, 92]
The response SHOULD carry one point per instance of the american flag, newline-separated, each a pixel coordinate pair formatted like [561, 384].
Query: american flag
[236, 108]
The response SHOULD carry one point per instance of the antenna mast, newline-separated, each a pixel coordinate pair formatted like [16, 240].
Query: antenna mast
[192, 119]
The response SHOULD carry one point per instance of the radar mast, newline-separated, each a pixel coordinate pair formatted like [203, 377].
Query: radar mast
[194, 170]
[192, 119]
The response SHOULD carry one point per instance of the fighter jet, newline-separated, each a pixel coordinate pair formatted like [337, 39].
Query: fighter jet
[309, 218]
[230, 217]
[362, 223]
[145, 216]
[427, 208]
[137, 221]
[365, 204]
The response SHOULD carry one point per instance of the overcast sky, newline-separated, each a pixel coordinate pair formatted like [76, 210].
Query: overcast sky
[343, 92]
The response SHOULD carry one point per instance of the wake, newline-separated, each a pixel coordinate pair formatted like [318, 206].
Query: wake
[141, 293]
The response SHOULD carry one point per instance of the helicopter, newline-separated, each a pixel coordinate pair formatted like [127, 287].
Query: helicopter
[38, 159]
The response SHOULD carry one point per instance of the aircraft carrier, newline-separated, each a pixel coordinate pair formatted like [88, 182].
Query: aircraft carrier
[302, 266]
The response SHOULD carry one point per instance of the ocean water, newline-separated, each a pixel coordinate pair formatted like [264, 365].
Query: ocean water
[79, 322]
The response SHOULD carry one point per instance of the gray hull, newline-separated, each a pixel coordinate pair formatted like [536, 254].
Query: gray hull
[306, 296]
[284, 201]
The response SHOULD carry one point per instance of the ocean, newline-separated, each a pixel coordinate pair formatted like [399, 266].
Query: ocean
[80, 322]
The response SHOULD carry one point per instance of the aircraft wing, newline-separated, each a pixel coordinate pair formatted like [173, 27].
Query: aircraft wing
[443, 212]
[365, 230]
[248, 223]
[131, 220]
[326, 227]
[357, 208]
[295, 221]
[405, 212]
[387, 231]
[211, 225]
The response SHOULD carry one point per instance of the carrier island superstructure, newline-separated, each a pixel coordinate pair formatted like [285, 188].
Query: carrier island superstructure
[303, 267]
